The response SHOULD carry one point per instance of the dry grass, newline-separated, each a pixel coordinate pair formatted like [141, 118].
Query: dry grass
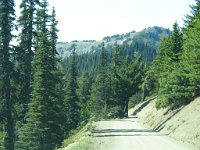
[79, 139]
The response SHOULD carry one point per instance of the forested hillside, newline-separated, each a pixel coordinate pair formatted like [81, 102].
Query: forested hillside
[150, 37]
[145, 42]
[45, 96]
[176, 68]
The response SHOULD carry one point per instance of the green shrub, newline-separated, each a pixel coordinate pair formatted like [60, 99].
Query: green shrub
[162, 102]
[2, 138]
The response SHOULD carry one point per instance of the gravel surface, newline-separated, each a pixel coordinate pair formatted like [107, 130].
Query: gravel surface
[128, 134]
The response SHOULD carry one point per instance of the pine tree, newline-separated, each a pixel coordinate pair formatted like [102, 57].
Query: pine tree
[100, 91]
[25, 55]
[85, 84]
[42, 129]
[114, 105]
[53, 33]
[166, 62]
[162, 67]
[184, 82]
[56, 115]
[71, 101]
[190, 19]
[6, 70]
[191, 55]
[177, 43]
[132, 74]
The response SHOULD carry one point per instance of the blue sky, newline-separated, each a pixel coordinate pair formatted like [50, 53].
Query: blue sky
[95, 19]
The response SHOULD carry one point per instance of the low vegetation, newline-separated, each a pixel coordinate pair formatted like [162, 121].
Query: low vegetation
[79, 138]
[83, 144]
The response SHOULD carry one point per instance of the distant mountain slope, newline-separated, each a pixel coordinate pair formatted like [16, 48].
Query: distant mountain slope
[145, 42]
[150, 36]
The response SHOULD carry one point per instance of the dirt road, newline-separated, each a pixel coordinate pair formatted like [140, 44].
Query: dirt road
[127, 134]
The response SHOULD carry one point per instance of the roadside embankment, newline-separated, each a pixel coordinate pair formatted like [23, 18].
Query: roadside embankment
[182, 123]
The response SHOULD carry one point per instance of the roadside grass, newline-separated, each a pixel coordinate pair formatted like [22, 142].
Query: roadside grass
[83, 144]
[79, 139]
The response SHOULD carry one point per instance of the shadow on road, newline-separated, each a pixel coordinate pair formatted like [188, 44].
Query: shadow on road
[121, 130]
[124, 132]
[121, 135]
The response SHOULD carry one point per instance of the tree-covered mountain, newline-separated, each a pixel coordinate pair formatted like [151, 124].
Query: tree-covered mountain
[145, 42]
[150, 36]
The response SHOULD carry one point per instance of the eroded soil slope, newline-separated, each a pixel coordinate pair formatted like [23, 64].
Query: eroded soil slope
[183, 123]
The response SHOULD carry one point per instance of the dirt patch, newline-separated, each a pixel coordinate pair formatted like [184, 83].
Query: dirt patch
[183, 123]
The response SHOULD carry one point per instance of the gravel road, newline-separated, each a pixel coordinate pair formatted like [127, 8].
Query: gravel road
[127, 134]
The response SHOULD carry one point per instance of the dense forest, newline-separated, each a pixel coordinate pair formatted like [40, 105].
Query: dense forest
[145, 42]
[43, 98]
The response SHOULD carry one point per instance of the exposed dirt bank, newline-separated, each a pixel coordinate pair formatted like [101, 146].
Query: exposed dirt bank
[183, 123]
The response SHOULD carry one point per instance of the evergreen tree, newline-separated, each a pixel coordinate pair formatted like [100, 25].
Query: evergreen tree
[53, 33]
[25, 55]
[132, 74]
[184, 82]
[100, 93]
[166, 62]
[150, 85]
[190, 19]
[177, 44]
[42, 129]
[56, 115]
[72, 104]
[163, 65]
[6, 71]
[85, 84]
[114, 103]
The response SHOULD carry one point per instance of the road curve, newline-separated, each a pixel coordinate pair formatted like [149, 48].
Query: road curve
[127, 134]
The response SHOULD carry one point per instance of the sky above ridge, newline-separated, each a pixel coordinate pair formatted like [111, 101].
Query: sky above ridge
[95, 19]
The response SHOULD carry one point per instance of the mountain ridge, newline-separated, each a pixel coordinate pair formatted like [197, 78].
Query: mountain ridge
[151, 36]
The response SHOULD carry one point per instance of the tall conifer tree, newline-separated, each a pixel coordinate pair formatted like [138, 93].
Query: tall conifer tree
[132, 74]
[101, 89]
[85, 83]
[42, 130]
[114, 103]
[71, 101]
[7, 15]
[177, 43]
[184, 82]
[195, 13]
[25, 54]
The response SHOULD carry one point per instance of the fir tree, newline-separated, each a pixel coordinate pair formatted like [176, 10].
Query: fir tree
[177, 42]
[53, 33]
[190, 19]
[132, 74]
[25, 55]
[42, 130]
[115, 100]
[166, 62]
[184, 82]
[100, 94]
[6, 70]
[56, 115]
[85, 84]
[72, 104]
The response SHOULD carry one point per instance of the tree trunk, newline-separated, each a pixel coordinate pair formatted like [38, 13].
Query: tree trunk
[9, 125]
[125, 113]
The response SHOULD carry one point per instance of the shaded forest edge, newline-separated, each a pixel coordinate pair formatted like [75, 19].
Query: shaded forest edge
[43, 98]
